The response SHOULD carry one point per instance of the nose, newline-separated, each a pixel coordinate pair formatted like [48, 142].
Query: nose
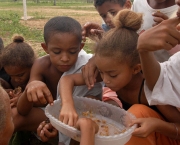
[108, 19]
[16, 79]
[105, 79]
[65, 58]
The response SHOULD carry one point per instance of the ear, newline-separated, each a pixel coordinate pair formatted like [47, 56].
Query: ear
[128, 4]
[136, 69]
[44, 46]
[82, 45]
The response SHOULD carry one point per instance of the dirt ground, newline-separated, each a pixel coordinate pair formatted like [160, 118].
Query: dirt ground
[46, 13]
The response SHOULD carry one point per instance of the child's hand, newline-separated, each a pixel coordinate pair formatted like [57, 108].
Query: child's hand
[68, 115]
[90, 73]
[162, 36]
[14, 98]
[158, 17]
[37, 91]
[91, 29]
[46, 131]
[145, 126]
[86, 124]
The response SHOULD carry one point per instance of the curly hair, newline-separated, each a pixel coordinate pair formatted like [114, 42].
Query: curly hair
[18, 53]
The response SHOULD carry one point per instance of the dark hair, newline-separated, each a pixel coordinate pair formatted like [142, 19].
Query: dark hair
[120, 42]
[100, 2]
[62, 25]
[18, 53]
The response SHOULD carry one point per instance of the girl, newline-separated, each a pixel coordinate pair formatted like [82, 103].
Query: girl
[118, 62]
[17, 59]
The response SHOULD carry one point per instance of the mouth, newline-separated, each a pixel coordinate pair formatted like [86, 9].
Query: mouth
[65, 66]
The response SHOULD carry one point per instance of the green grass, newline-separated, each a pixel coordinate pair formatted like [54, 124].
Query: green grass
[10, 25]
[11, 13]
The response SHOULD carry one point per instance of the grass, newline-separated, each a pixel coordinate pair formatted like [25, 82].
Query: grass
[11, 23]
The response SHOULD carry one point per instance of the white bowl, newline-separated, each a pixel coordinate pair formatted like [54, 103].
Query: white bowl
[114, 117]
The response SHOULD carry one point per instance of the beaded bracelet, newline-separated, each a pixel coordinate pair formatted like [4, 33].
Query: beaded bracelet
[177, 130]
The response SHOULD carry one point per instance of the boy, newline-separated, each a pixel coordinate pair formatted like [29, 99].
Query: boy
[106, 9]
[63, 46]
[6, 123]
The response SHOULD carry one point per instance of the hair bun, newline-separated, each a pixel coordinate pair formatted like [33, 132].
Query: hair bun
[18, 39]
[128, 19]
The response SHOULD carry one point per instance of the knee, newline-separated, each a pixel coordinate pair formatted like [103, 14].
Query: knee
[140, 111]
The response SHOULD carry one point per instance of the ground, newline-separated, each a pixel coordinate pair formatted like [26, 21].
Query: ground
[81, 16]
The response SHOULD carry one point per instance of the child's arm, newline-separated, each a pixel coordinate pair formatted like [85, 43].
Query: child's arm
[147, 126]
[68, 113]
[88, 130]
[91, 29]
[162, 36]
[90, 73]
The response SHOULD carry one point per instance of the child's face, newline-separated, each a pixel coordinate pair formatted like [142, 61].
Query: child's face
[9, 128]
[107, 10]
[19, 75]
[63, 50]
[114, 74]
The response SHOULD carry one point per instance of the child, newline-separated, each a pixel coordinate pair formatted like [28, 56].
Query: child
[162, 79]
[17, 59]
[63, 46]
[106, 9]
[164, 75]
[6, 124]
[154, 12]
[119, 65]
[4, 78]
[87, 127]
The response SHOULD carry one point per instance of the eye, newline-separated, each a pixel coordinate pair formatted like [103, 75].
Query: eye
[113, 76]
[103, 16]
[56, 52]
[73, 52]
[113, 13]
[20, 75]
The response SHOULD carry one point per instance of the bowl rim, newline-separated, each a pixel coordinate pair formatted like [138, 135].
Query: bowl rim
[70, 128]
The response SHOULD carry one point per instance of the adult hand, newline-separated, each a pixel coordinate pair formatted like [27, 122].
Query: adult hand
[91, 30]
[37, 91]
[158, 17]
[163, 36]
[90, 73]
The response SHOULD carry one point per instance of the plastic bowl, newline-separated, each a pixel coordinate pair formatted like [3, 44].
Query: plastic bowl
[114, 117]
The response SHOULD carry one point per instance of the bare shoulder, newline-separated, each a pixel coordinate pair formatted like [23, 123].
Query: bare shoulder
[40, 67]
[43, 62]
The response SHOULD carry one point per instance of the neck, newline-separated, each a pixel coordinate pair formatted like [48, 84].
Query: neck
[134, 84]
[160, 5]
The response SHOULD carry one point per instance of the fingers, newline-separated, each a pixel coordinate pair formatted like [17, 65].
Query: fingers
[69, 119]
[160, 15]
[46, 131]
[48, 96]
[37, 91]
